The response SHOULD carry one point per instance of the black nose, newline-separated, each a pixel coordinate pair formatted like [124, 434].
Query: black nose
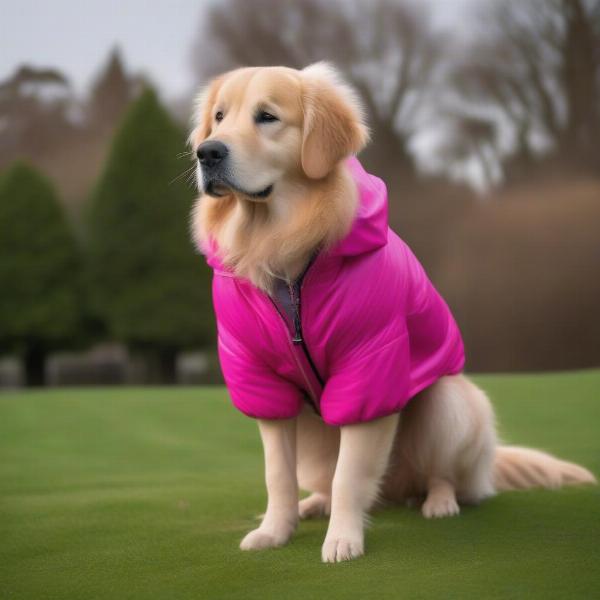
[211, 153]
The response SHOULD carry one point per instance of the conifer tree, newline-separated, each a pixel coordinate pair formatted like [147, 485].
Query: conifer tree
[40, 271]
[149, 283]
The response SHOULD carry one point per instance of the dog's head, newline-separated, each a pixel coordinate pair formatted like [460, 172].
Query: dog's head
[260, 130]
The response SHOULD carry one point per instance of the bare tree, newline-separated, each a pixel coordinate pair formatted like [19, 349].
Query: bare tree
[580, 77]
[538, 63]
[111, 93]
[35, 113]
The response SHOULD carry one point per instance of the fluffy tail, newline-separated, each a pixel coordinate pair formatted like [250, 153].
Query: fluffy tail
[521, 468]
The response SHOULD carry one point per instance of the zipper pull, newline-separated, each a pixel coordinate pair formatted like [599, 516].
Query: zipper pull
[297, 339]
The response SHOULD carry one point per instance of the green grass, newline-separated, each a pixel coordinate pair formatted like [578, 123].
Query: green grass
[145, 493]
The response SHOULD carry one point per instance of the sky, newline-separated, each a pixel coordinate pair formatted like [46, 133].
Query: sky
[76, 36]
[156, 37]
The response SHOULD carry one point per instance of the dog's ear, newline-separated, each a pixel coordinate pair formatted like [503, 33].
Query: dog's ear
[334, 125]
[203, 111]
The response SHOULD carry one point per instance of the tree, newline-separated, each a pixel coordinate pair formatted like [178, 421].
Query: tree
[111, 93]
[148, 283]
[538, 65]
[40, 302]
[36, 107]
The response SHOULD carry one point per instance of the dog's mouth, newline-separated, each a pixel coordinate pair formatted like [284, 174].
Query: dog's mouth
[218, 189]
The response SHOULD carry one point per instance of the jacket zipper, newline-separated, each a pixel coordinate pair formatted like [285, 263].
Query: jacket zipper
[297, 337]
[310, 395]
[295, 290]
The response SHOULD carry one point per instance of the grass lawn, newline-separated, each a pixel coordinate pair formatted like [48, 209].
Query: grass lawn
[145, 493]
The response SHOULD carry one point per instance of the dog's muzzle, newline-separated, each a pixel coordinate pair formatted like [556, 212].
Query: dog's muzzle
[216, 178]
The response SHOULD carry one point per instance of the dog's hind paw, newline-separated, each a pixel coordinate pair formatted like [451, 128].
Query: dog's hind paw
[260, 540]
[437, 507]
[340, 549]
[315, 505]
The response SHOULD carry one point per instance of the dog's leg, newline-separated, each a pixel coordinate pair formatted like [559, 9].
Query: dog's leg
[448, 439]
[318, 449]
[281, 516]
[362, 460]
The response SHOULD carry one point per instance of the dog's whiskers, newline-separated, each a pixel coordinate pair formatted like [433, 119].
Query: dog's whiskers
[189, 171]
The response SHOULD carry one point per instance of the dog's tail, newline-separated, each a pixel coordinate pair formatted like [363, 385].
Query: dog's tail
[521, 468]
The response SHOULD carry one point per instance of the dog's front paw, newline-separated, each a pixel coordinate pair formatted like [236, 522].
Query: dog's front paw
[337, 549]
[259, 539]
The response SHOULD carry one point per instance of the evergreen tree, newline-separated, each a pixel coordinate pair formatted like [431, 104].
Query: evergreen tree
[111, 93]
[149, 284]
[40, 299]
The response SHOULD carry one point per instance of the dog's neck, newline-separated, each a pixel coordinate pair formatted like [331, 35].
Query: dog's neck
[277, 238]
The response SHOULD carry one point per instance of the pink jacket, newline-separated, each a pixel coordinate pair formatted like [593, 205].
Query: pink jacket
[361, 334]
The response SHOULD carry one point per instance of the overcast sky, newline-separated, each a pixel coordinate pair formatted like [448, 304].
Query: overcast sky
[76, 36]
[155, 36]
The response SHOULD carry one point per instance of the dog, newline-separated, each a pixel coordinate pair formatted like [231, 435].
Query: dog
[360, 403]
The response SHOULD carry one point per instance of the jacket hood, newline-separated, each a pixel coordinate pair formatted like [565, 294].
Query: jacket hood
[369, 229]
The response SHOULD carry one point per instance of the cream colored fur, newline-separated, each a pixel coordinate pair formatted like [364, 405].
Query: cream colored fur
[442, 450]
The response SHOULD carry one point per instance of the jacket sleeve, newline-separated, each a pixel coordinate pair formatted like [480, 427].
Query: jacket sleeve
[369, 383]
[255, 389]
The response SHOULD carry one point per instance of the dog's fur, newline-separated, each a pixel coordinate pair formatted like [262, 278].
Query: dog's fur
[443, 449]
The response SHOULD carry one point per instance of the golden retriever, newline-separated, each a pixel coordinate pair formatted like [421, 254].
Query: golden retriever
[285, 193]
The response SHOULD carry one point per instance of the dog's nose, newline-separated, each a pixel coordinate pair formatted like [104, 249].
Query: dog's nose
[211, 153]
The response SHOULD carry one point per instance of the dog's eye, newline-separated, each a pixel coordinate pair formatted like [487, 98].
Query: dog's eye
[265, 117]
[219, 116]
